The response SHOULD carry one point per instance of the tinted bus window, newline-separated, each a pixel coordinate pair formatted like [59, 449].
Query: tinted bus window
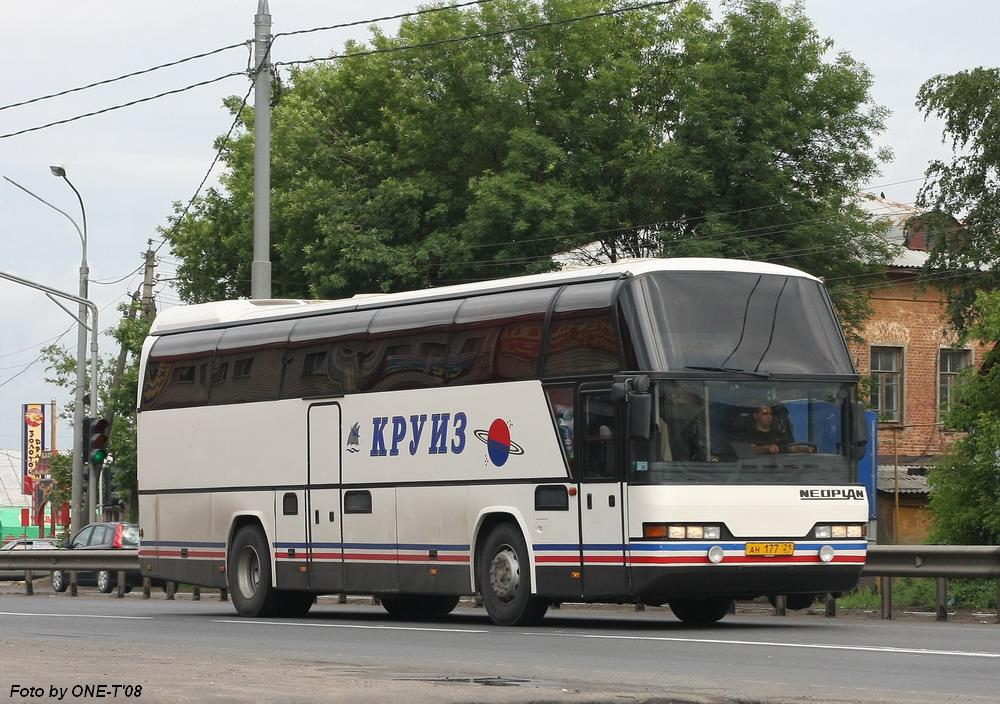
[583, 337]
[326, 354]
[408, 346]
[248, 363]
[498, 337]
[178, 370]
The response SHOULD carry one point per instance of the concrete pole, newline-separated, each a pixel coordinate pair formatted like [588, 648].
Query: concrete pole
[260, 272]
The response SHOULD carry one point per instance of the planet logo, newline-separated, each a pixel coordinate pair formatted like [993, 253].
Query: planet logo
[498, 442]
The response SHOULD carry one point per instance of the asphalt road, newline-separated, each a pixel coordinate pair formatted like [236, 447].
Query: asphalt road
[187, 651]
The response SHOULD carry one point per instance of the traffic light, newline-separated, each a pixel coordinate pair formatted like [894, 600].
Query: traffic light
[97, 440]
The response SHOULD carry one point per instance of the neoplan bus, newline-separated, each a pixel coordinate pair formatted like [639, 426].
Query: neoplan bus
[595, 435]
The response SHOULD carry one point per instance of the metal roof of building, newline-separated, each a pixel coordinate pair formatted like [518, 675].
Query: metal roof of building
[10, 480]
[898, 214]
[912, 479]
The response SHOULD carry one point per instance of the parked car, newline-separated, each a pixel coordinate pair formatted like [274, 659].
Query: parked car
[101, 536]
[25, 544]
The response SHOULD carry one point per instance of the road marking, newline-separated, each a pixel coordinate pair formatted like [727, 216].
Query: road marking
[132, 618]
[350, 625]
[815, 646]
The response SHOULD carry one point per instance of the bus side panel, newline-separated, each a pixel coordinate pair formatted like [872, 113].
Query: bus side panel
[149, 563]
[184, 526]
[433, 530]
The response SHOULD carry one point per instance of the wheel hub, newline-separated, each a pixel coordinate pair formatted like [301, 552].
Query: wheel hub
[248, 571]
[505, 573]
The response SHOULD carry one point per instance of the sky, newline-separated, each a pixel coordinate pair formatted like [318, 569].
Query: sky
[131, 165]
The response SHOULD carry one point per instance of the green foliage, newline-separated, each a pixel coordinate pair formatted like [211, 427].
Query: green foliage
[118, 405]
[967, 188]
[663, 132]
[965, 482]
[915, 593]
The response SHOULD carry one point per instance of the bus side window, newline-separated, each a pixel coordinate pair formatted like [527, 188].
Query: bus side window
[598, 444]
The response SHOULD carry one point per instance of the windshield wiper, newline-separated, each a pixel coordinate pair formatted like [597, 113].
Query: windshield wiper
[762, 375]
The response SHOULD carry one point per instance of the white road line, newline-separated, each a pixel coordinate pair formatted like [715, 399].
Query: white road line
[130, 618]
[769, 644]
[251, 622]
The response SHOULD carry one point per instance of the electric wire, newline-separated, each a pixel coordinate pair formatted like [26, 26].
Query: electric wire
[482, 35]
[120, 106]
[373, 20]
[132, 74]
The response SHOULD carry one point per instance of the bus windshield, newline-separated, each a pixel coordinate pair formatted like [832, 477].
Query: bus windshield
[745, 432]
[736, 321]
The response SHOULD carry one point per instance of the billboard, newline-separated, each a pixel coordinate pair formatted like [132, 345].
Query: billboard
[32, 444]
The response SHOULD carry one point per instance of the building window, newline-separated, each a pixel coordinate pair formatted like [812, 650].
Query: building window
[951, 363]
[887, 383]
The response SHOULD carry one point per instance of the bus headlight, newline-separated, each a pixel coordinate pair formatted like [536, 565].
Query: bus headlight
[716, 554]
[840, 531]
[822, 532]
[826, 553]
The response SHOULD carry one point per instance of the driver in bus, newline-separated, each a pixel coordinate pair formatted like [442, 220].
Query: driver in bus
[767, 436]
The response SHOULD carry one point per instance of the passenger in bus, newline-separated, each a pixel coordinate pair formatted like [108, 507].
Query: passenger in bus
[769, 435]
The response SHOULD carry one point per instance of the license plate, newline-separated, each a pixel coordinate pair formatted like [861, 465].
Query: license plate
[770, 549]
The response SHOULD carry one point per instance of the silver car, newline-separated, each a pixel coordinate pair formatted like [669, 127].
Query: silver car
[25, 544]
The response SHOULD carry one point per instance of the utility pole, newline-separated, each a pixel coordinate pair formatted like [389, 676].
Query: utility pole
[260, 272]
[148, 305]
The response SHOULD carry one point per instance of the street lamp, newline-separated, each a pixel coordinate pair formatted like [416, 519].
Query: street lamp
[77, 522]
[59, 171]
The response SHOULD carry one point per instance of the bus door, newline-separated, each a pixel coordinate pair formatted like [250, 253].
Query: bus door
[326, 567]
[601, 508]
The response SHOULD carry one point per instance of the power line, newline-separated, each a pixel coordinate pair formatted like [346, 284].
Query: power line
[483, 35]
[117, 281]
[403, 15]
[247, 43]
[218, 154]
[124, 105]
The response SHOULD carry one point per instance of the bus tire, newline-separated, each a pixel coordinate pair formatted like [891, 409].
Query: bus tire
[700, 612]
[293, 604]
[505, 579]
[248, 573]
[794, 602]
[414, 608]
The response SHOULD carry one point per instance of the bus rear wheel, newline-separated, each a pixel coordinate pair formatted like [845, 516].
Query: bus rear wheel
[415, 608]
[249, 573]
[700, 612]
[505, 579]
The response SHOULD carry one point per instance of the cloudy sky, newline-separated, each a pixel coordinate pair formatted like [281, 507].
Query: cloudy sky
[131, 165]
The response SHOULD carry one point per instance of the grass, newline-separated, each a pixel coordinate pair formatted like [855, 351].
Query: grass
[910, 592]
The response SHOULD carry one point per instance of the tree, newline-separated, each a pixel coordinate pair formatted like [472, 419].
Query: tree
[117, 403]
[965, 260]
[965, 482]
[661, 131]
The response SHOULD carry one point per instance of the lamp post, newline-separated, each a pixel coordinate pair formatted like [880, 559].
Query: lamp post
[59, 171]
[78, 510]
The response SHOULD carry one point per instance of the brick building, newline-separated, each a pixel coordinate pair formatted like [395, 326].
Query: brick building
[908, 358]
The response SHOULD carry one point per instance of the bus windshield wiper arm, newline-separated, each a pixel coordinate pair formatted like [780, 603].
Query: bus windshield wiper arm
[762, 375]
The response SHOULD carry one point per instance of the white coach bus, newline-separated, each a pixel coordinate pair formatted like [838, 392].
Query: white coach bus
[672, 431]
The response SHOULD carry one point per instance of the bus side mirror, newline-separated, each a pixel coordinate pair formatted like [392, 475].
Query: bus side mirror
[640, 409]
[859, 431]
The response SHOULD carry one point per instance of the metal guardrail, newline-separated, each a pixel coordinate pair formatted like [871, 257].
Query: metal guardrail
[933, 561]
[941, 562]
[70, 560]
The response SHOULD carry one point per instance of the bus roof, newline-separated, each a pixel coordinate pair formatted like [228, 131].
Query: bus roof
[207, 315]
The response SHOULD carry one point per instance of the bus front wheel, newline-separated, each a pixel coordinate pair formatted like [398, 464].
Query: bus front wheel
[700, 612]
[505, 579]
[249, 573]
